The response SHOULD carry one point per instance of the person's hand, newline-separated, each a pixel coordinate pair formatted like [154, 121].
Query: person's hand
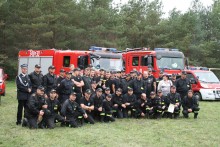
[123, 105]
[29, 90]
[45, 106]
[115, 105]
[189, 110]
[151, 108]
[142, 105]
[100, 109]
[142, 114]
[41, 112]
[127, 104]
[85, 115]
[163, 107]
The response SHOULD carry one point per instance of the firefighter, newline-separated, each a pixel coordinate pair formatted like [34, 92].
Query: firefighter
[23, 84]
[87, 80]
[174, 98]
[107, 92]
[129, 99]
[163, 105]
[61, 77]
[190, 105]
[107, 82]
[54, 107]
[141, 106]
[118, 105]
[36, 108]
[164, 85]
[88, 105]
[99, 112]
[138, 86]
[78, 84]
[50, 80]
[36, 78]
[153, 106]
[117, 81]
[173, 79]
[108, 107]
[93, 88]
[152, 79]
[183, 85]
[160, 78]
[73, 112]
[150, 82]
[65, 88]
[125, 83]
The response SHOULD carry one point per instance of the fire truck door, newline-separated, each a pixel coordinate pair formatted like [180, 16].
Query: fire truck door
[45, 62]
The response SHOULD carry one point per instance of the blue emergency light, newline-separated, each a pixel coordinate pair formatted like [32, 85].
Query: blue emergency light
[95, 48]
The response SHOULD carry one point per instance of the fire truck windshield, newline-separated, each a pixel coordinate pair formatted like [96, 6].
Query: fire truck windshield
[170, 63]
[109, 64]
[207, 77]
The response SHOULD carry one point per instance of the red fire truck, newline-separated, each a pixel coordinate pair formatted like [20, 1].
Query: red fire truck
[161, 59]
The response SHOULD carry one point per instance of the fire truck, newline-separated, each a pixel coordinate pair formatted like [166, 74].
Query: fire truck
[170, 61]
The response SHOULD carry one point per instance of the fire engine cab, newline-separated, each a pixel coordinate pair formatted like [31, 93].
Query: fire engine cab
[170, 61]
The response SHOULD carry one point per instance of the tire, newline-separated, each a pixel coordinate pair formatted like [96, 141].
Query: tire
[198, 96]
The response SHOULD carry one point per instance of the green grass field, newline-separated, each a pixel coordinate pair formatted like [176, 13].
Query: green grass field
[205, 131]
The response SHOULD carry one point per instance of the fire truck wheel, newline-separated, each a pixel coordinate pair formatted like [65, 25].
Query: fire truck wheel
[198, 96]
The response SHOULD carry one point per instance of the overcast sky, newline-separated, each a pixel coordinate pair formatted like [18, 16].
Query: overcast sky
[181, 5]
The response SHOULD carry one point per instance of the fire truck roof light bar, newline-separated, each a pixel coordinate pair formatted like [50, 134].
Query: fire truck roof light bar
[165, 49]
[95, 48]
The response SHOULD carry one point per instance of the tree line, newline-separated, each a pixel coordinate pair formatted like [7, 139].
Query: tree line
[78, 24]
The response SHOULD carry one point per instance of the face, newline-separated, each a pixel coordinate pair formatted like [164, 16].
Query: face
[24, 70]
[165, 78]
[87, 72]
[108, 98]
[87, 95]
[190, 94]
[40, 92]
[174, 77]
[118, 93]
[53, 95]
[92, 73]
[107, 75]
[149, 72]
[173, 90]
[183, 76]
[94, 85]
[160, 94]
[72, 66]
[37, 69]
[72, 97]
[152, 96]
[107, 91]
[68, 76]
[62, 73]
[143, 96]
[130, 92]
[99, 93]
[145, 74]
[51, 71]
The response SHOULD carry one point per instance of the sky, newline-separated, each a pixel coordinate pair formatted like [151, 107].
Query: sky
[181, 5]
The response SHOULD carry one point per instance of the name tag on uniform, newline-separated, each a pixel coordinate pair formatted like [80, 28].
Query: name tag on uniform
[171, 108]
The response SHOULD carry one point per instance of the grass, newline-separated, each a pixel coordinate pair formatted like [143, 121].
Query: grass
[204, 131]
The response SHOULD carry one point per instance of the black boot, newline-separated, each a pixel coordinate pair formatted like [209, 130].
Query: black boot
[195, 115]
[25, 123]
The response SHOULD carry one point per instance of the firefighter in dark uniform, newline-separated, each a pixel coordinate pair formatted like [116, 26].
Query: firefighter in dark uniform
[108, 82]
[150, 83]
[50, 80]
[174, 98]
[160, 78]
[125, 82]
[138, 86]
[78, 84]
[190, 105]
[117, 81]
[36, 108]
[88, 105]
[93, 88]
[173, 79]
[23, 84]
[141, 106]
[73, 112]
[87, 80]
[107, 92]
[36, 78]
[54, 107]
[108, 107]
[154, 108]
[163, 105]
[65, 88]
[129, 99]
[118, 105]
[183, 85]
[99, 112]
[61, 77]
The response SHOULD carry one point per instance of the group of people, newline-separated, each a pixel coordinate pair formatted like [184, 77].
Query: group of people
[75, 97]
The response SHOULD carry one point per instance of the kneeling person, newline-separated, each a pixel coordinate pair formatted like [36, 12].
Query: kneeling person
[72, 111]
[154, 110]
[108, 106]
[190, 105]
[54, 107]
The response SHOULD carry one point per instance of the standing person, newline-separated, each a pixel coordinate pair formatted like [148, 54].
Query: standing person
[23, 84]
[93, 88]
[73, 112]
[61, 77]
[36, 78]
[107, 82]
[183, 85]
[54, 107]
[160, 78]
[150, 83]
[78, 84]
[165, 85]
[125, 82]
[50, 80]
[190, 105]
[88, 105]
[108, 107]
[36, 106]
[138, 86]
[87, 80]
[174, 98]
[173, 79]
[65, 88]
